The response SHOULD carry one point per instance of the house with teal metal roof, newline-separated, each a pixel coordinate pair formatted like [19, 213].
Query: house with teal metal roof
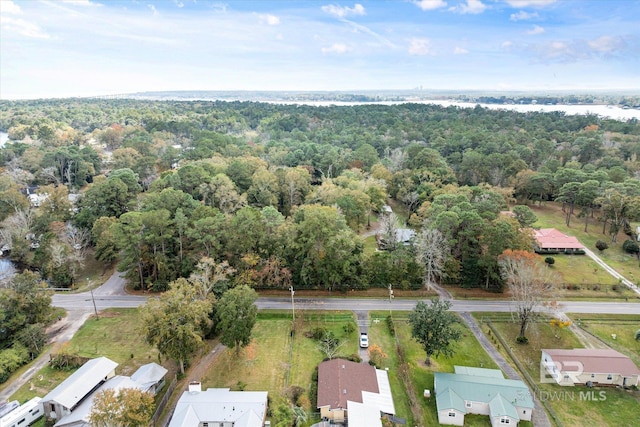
[481, 391]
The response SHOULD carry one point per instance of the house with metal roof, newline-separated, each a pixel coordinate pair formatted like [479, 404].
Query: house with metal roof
[354, 392]
[70, 403]
[63, 399]
[484, 392]
[552, 240]
[150, 377]
[589, 366]
[219, 407]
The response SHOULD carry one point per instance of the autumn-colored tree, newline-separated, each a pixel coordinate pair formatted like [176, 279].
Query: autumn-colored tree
[376, 355]
[529, 281]
[127, 407]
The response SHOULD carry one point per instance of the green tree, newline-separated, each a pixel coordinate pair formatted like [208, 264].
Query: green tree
[175, 322]
[237, 313]
[126, 407]
[524, 215]
[433, 326]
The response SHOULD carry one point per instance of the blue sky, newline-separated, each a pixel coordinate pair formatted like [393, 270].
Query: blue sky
[60, 48]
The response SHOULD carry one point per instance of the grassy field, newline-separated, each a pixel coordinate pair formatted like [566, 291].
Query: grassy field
[605, 326]
[275, 361]
[468, 352]
[114, 335]
[571, 404]
[551, 215]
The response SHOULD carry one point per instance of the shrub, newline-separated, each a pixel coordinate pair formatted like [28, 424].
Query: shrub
[390, 325]
[349, 328]
[631, 247]
[601, 246]
[522, 340]
[550, 260]
[318, 333]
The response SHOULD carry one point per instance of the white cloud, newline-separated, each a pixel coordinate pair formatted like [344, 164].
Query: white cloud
[342, 12]
[269, 19]
[472, 7]
[523, 16]
[336, 48]
[420, 47]
[9, 7]
[530, 3]
[179, 3]
[605, 44]
[507, 44]
[153, 9]
[460, 51]
[79, 2]
[22, 27]
[430, 4]
[537, 29]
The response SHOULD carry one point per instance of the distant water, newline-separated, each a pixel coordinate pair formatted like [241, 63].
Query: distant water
[7, 270]
[606, 111]
[4, 137]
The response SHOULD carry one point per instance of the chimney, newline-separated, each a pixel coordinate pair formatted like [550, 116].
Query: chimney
[195, 387]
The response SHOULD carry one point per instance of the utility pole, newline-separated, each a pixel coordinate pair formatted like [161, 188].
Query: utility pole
[95, 310]
[293, 310]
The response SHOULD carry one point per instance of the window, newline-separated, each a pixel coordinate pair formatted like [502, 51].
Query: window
[467, 404]
[505, 420]
[593, 375]
[566, 377]
[609, 377]
[452, 414]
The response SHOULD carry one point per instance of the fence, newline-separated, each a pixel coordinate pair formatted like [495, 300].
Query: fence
[163, 402]
[525, 374]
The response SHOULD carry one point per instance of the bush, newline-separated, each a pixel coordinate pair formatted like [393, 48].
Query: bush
[318, 333]
[390, 325]
[11, 359]
[354, 358]
[601, 246]
[549, 260]
[522, 340]
[631, 247]
[349, 328]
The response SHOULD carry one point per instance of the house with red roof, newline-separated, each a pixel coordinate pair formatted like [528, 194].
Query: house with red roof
[548, 240]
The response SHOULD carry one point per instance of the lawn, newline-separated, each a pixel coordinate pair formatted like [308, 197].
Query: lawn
[468, 352]
[114, 335]
[570, 404]
[550, 216]
[275, 361]
[606, 326]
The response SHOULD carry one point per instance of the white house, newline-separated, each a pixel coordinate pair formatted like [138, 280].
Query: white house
[589, 366]
[219, 407]
[63, 399]
[357, 392]
[484, 392]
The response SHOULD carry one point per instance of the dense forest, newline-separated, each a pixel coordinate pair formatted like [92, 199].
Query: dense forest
[275, 195]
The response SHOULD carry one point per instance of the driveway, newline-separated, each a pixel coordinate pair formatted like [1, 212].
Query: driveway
[611, 271]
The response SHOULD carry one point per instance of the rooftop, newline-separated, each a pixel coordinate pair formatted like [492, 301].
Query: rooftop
[600, 361]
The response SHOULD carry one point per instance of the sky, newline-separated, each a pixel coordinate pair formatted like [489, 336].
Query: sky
[68, 48]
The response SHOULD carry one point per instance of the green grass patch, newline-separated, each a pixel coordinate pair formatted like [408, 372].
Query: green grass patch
[550, 215]
[468, 352]
[573, 405]
[623, 327]
[115, 335]
[276, 360]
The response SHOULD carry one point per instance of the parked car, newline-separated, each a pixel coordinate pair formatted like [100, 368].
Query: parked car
[364, 340]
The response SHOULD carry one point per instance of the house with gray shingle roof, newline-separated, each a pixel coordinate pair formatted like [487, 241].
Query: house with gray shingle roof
[484, 392]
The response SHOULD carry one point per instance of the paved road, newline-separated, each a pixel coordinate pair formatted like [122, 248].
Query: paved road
[82, 301]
